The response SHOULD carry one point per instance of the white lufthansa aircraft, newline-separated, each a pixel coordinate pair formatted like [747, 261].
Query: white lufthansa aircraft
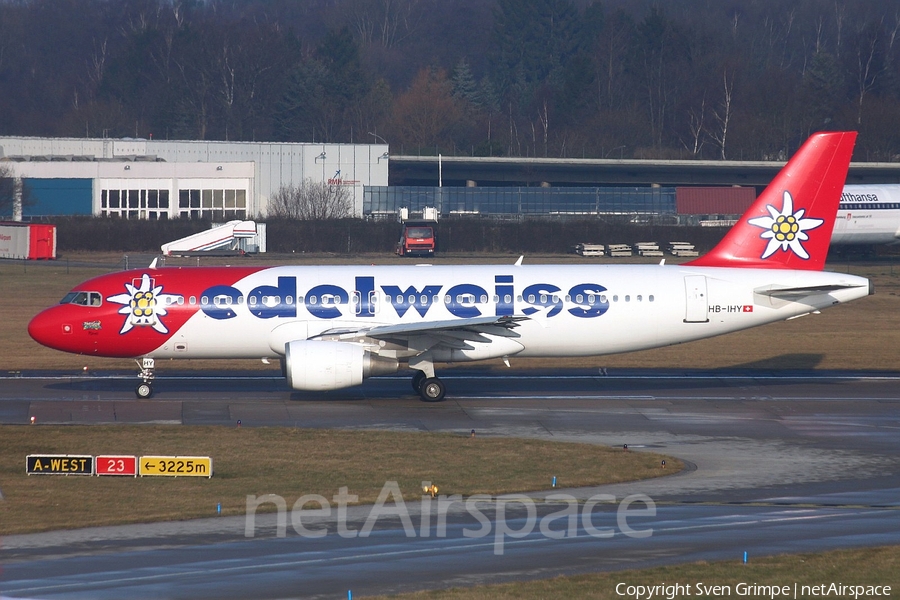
[332, 327]
[868, 214]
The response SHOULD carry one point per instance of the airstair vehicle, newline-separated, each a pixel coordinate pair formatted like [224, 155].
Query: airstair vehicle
[231, 238]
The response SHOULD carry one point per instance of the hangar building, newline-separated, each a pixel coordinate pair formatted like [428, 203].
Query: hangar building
[163, 179]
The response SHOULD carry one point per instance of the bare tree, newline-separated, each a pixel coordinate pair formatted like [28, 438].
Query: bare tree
[387, 22]
[7, 193]
[869, 67]
[697, 129]
[427, 112]
[12, 191]
[311, 200]
[723, 116]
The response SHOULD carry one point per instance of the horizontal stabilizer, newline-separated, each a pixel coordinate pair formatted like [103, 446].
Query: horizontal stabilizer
[792, 292]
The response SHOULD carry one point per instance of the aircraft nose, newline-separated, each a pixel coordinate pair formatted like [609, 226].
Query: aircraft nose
[48, 329]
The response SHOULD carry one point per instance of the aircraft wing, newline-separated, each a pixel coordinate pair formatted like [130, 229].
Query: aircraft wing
[452, 333]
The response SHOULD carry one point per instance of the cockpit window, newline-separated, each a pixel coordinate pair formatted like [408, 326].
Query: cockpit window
[83, 298]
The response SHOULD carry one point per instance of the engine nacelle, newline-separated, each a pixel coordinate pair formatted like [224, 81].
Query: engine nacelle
[316, 366]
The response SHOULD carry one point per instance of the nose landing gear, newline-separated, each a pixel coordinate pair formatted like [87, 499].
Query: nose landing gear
[145, 388]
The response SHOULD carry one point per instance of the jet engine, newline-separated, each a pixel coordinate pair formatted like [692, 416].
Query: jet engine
[321, 365]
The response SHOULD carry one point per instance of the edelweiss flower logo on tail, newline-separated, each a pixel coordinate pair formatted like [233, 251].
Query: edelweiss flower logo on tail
[785, 229]
[144, 305]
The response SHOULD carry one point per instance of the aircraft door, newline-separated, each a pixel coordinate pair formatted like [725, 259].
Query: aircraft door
[696, 300]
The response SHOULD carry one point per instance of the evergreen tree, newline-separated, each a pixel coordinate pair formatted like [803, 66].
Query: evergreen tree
[464, 85]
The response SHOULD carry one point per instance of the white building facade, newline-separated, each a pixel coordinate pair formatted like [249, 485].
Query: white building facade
[154, 179]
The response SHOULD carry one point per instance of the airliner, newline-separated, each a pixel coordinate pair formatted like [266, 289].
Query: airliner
[333, 326]
[868, 214]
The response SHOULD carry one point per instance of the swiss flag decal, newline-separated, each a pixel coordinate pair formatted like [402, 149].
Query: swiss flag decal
[748, 308]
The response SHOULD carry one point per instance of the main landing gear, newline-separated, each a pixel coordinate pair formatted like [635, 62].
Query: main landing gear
[145, 388]
[426, 384]
[432, 389]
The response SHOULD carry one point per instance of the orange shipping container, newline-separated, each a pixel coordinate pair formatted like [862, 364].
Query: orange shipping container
[27, 240]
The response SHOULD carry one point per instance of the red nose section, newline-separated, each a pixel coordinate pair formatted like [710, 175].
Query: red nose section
[55, 329]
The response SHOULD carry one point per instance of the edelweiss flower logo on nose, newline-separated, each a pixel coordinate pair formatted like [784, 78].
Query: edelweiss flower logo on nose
[143, 305]
[785, 229]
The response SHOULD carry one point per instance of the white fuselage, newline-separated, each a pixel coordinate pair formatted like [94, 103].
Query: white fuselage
[571, 310]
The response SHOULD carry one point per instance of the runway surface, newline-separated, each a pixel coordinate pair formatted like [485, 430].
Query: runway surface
[777, 462]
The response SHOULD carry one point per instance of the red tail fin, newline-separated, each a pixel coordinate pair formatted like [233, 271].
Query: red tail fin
[790, 224]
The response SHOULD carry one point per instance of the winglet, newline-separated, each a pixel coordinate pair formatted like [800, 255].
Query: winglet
[790, 224]
[519, 262]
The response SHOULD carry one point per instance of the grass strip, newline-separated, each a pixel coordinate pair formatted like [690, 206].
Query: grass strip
[855, 567]
[285, 461]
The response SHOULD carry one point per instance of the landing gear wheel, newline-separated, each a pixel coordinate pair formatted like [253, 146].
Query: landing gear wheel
[432, 389]
[417, 380]
[145, 388]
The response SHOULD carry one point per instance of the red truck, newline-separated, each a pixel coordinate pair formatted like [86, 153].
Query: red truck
[416, 238]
